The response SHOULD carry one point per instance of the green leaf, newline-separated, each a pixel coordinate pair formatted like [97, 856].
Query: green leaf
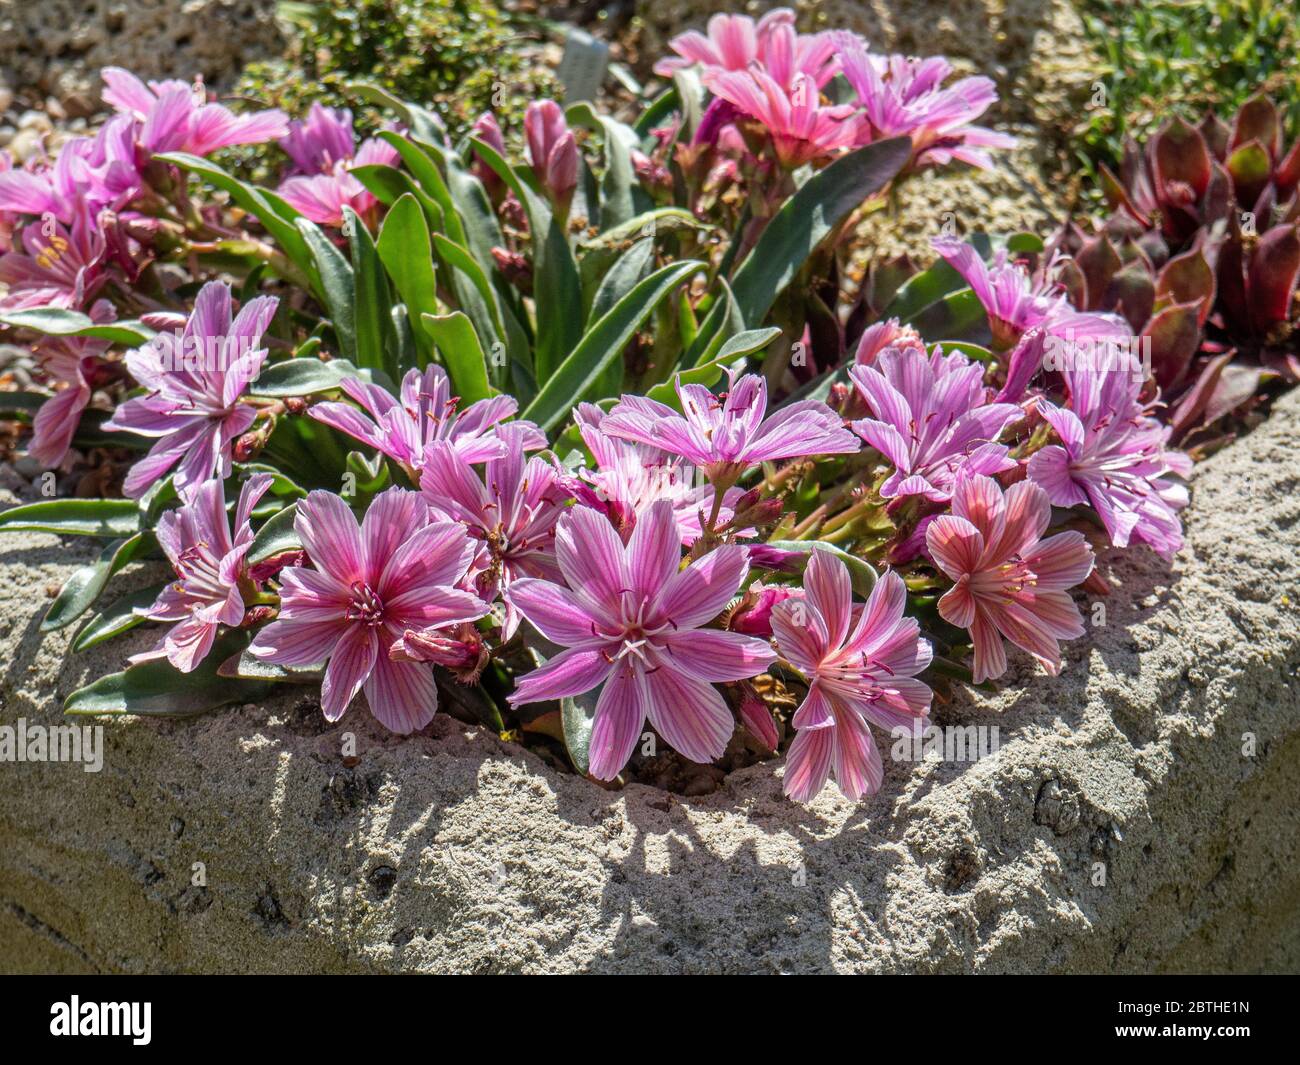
[577, 715]
[337, 284]
[157, 688]
[861, 575]
[81, 589]
[557, 294]
[462, 261]
[419, 120]
[109, 518]
[372, 302]
[622, 196]
[604, 342]
[462, 354]
[275, 216]
[426, 172]
[58, 322]
[407, 254]
[117, 618]
[302, 377]
[276, 537]
[808, 217]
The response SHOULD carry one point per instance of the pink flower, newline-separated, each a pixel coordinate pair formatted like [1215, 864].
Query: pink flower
[211, 575]
[175, 116]
[725, 435]
[904, 96]
[887, 334]
[324, 138]
[1016, 303]
[552, 151]
[753, 614]
[321, 196]
[88, 175]
[510, 512]
[631, 620]
[1115, 457]
[1010, 581]
[802, 128]
[426, 412]
[72, 364]
[58, 266]
[628, 477]
[194, 383]
[737, 43]
[931, 420]
[861, 664]
[370, 584]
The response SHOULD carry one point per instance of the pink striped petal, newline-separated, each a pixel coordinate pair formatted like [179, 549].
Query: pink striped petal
[554, 611]
[714, 655]
[808, 764]
[571, 672]
[402, 695]
[329, 532]
[350, 664]
[690, 715]
[700, 592]
[620, 715]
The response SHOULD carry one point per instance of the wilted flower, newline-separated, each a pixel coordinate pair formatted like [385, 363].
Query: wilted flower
[371, 583]
[724, 435]
[1010, 581]
[211, 574]
[194, 385]
[426, 411]
[931, 420]
[861, 664]
[631, 620]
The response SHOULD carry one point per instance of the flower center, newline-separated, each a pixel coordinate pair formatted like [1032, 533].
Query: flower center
[366, 606]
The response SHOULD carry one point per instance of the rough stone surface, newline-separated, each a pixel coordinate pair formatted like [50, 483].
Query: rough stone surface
[58, 46]
[455, 851]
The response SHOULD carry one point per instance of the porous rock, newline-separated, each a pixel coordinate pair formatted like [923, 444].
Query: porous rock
[1139, 815]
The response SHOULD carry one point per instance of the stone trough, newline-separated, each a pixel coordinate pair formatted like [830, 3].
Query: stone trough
[1140, 814]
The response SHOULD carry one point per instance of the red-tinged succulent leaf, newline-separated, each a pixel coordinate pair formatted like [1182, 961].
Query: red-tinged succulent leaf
[1153, 248]
[1237, 384]
[1250, 167]
[1099, 262]
[1217, 201]
[1175, 335]
[1286, 176]
[1271, 283]
[1257, 120]
[1216, 134]
[1132, 293]
[1188, 279]
[1186, 413]
[1071, 278]
[1118, 198]
[1135, 176]
[1230, 276]
[1180, 158]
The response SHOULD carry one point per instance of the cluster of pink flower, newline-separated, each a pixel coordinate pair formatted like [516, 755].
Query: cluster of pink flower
[769, 73]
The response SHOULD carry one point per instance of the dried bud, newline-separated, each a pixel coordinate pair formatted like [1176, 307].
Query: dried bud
[296, 404]
[515, 268]
[256, 615]
[269, 567]
[753, 615]
[247, 446]
[460, 650]
[757, 718]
